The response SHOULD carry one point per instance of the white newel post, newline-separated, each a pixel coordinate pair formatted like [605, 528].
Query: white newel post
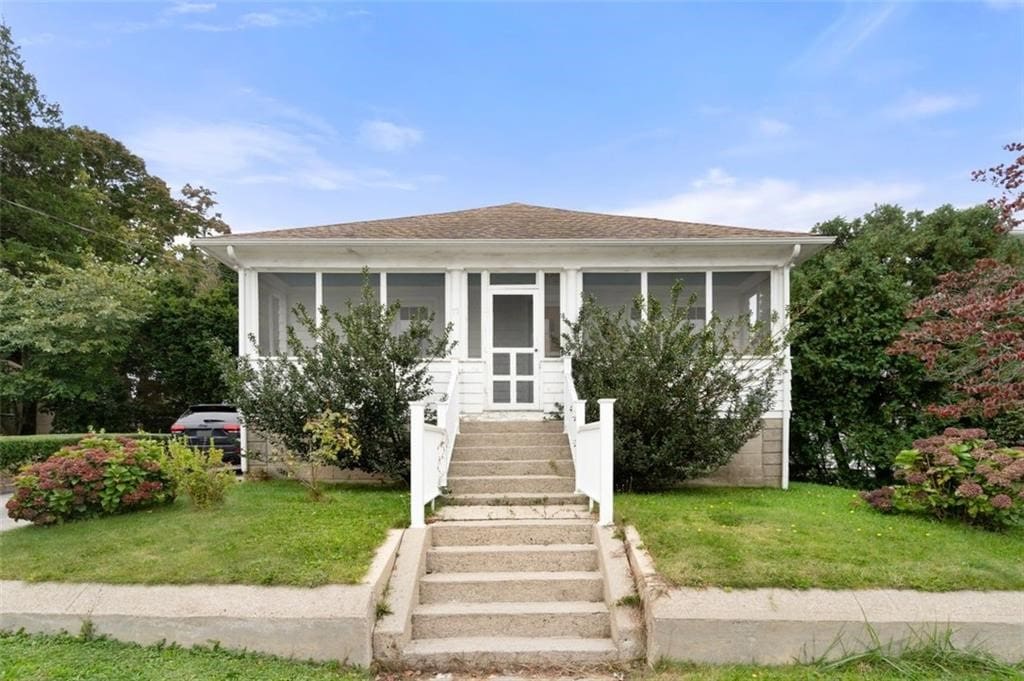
[416, 419]
[606, 512]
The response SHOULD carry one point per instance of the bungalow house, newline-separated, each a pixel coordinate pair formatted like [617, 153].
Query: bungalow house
[504, 277]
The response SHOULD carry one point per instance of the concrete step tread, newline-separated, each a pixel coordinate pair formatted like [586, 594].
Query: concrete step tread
[513, 548]
[517, 513]
[499, 478]
[512, 496]
[508, 644]
[464, 577]
[512, 522]
[498, 609]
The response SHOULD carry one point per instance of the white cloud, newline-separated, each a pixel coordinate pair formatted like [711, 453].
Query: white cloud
[192, 8]
[248, 153]
[844, 36]
[924, 105]
[772, 127]
[37, 39]
[387, 136]
[772, 203]
[277, 18]
[260, 20]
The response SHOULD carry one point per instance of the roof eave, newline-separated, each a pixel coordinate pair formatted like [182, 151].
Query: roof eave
[345, 241]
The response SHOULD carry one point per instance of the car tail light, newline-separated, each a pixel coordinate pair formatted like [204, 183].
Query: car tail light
[232, 427]
[177, 428]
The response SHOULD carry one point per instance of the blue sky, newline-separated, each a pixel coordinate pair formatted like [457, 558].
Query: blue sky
[769, 115]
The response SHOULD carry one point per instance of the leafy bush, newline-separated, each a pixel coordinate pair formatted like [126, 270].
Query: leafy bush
[16, 450]
[356, 365]
[198, 473]
[330, 436]
[99, 476]
[961, 475]
[687, 398]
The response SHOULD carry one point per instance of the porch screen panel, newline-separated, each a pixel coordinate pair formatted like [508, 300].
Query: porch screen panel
[613, 290]
[744, 296]
[341, 290]
[473, 310]
[692, 289]
[419, 295]
[552, 315]
[279, 294]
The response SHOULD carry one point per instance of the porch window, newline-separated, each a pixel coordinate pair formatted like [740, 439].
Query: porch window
[552, 314]
[419, 295]
[613, 290]
[279, 294]
[341, 290]
[473, 298]
[513, 279]
[693, 285]
[745, 296]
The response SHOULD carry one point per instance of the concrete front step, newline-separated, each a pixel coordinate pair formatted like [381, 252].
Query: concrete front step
[513, 558]
[522, 512]
[512, 532]
[524, 426]
[523, 467]
[501, 484]
[508, 439]
[486, 652]
[508, 587]
[567, 618]
[464, 453]
[515, 499]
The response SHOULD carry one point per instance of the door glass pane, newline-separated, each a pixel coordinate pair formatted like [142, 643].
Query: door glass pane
[502, 364]
[473, 305]
[513, 321]
[552, 315]
[513, 278]
[524, 392]
[524, 364]
[502, 392]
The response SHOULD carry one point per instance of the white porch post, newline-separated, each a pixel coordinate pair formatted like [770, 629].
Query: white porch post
[417, 514]
[787, 376]
[244, 276]
[457, 310]
[606, 512]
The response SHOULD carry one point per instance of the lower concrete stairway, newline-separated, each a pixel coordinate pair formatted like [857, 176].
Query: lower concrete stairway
[512, 575]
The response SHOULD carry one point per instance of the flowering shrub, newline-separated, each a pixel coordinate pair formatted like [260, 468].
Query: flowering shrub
[96, 477]
[959, 474]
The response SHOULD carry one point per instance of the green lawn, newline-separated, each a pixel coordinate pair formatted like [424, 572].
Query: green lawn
[266, 533]
[63, 658]
[813, 536]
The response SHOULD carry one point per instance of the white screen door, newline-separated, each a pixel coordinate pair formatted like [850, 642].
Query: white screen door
[513, 351]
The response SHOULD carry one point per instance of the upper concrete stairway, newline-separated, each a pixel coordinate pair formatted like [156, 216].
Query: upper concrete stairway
[512, 572]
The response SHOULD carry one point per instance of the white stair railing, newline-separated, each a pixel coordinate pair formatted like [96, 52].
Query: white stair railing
[430, 448]
[592, 446]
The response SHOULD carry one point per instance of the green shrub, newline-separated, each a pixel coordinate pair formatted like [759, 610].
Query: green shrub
[355, 365]
[687, 398]
[99, 476]
[199, 473]
[960, 475]
[17, 450]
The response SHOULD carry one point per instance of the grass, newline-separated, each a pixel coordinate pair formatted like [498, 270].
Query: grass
[63, 658]
[59, 658]
[814, 536]
[266, 533]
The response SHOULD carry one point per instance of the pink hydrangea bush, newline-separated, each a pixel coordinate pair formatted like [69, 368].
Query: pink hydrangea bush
[960, 474]
[95, 477]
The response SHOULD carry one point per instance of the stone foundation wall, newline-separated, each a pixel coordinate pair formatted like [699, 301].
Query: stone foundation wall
[757, 464]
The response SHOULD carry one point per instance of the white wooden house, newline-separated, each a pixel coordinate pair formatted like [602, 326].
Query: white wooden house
[504, 277]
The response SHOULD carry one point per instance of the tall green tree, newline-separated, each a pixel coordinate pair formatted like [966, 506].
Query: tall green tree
[854, 404]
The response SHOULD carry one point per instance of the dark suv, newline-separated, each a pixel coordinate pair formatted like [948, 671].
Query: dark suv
[212, 424]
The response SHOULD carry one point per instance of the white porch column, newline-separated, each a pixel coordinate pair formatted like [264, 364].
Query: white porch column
[572, 296]
[456, 310]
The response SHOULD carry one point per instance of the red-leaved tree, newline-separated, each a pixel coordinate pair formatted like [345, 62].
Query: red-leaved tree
[1009, 177]
[969, 333]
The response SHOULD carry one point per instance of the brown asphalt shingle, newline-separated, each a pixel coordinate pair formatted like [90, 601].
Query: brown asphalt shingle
[519, 221]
